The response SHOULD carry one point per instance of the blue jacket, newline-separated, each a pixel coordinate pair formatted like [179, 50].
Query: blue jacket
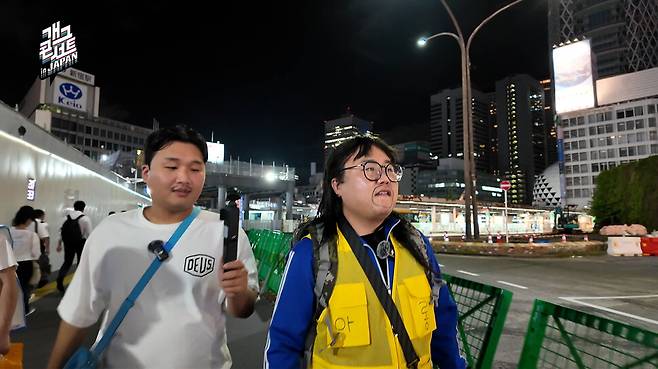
[294, 311]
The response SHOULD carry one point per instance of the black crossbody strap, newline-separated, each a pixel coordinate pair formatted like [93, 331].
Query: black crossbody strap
[381, 291]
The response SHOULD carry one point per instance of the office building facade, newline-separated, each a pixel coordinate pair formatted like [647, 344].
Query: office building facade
[624, 33]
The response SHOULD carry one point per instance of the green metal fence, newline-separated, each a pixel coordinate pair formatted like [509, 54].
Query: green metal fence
[482, 312]
[560, 337]
[270, 249]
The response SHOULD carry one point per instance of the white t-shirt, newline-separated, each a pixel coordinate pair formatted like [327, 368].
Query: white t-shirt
[178, 321]
[26, 243]
[42, 229]
[8, 260]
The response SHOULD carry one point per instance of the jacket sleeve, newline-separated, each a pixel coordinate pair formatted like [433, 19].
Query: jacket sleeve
[444, 346]
[293, 311]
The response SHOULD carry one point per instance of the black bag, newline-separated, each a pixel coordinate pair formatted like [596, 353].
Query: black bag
[71, 233]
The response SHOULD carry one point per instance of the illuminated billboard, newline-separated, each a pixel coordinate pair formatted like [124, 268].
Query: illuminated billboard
[574, 85]
[215, 152]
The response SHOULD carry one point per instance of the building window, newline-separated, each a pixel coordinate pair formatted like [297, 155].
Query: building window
[595, 168]
[639, 123]
[654, 149]
[96, 132]
[569, 181]
[123, 137]
[103, 133]
[592, 131]
[569, 194]
[576, 169]
[638, 111]
[87, 141]
[609, 128]
[642, 150]
[594, 155]
[583, 156]
[576, 193]
[621, 126]
[623, 152]
[88, 130]
[630, 125]
[651, 109]
[79, 140]
[620, 114]
[631, 151]
[652, 121]
[583, 168]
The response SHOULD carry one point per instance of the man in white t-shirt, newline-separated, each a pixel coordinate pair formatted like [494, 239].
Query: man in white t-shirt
[8, 291]
[179, 319]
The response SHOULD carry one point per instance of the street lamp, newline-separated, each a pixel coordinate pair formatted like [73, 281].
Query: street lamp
[470, 187]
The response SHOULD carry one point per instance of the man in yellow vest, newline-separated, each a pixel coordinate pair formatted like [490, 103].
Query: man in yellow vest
[330, 309]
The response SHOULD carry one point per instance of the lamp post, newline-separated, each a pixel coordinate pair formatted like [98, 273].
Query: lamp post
[470, 184]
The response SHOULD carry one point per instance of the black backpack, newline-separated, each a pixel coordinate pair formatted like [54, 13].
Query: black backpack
[71, 233]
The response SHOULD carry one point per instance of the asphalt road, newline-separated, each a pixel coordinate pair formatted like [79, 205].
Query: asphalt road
[618, 288]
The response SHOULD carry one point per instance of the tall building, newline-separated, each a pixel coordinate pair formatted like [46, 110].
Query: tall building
[624, 33]
[521, 134]
[493, 134]
[621, 129]
[414, 153]
[69, 109]
[337, 131]
[447, 181]
[550, 154]
[446, 126]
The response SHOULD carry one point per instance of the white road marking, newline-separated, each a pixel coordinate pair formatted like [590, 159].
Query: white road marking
[468, 273]
[574, 300]
[513, 285]
[612, 297]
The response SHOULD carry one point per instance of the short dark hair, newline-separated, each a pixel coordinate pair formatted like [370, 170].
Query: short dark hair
[331, 206]
[79, 205]
[38, 213]
[163, 137]
[23, 214]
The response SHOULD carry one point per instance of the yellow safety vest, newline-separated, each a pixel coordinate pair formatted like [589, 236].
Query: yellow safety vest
[362, 335]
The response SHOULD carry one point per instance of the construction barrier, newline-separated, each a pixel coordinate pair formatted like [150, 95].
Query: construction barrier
[624, 246]
[649, 245]
[560, 337]
[482, 312]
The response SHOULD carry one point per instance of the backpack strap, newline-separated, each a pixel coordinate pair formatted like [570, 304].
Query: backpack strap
[412, 240]
[78, 218]
[325, 266]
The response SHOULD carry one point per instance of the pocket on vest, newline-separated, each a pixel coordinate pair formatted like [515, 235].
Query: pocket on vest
[417, 307]
[348, 309]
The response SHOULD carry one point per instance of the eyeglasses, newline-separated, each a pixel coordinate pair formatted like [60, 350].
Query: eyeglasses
[372, 170]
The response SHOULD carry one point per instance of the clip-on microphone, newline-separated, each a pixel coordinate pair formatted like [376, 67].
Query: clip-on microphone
[157, 247]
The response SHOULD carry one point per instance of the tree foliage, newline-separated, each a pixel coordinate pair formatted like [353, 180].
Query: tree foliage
[628, 194]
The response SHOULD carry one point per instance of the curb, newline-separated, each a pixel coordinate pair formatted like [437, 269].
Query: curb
[558, 249]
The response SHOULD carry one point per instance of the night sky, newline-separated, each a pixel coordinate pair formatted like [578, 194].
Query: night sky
[265, 75]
